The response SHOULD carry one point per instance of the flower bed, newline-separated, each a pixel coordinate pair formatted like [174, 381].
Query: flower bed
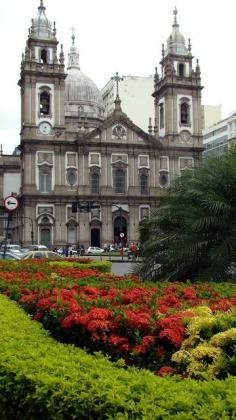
[145, 324]
[43, 379]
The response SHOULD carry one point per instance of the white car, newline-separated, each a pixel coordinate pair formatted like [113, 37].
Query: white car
[94, 250]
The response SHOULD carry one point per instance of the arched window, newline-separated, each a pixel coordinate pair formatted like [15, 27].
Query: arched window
[45, 179]
[161, 115]
[181, 69]
[119, 181]
[184, 113]
[44, 56]
[95, 183]
[44, 103]
[144, 184]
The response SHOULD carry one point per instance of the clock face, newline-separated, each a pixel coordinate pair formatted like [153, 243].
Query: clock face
[45, 128]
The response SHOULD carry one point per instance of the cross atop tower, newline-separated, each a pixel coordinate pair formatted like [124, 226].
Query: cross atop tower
[73, 35]
[175, 12]
[117, 79]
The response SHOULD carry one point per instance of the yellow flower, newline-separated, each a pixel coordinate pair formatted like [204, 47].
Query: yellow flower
[224, 338]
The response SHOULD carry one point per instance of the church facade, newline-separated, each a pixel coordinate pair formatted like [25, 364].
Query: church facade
[72, 156]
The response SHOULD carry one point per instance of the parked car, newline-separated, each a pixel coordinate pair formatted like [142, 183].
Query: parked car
[38, 247]
[42, 254]
[9, 256]
[94, 250]
[14, 249]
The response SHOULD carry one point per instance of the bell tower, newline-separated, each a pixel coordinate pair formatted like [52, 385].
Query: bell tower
[177, 93]
[42, 81]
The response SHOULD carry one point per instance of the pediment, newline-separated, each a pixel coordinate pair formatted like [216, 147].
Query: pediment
[118, 129]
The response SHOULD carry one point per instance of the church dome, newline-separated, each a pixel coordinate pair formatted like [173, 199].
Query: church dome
[176, 41]
[82, 97]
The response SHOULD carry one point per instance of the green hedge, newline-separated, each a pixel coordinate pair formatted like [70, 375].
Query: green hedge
[101, 266]
[43, 379]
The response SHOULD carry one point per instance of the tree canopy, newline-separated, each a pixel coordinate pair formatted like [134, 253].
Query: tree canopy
[192, 232]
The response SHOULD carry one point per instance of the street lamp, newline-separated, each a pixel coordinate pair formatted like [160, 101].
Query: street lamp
[121, 234]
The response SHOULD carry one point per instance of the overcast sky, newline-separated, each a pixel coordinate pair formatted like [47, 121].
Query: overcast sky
[124, 36]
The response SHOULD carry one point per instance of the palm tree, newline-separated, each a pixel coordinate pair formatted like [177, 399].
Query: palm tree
[192, 233]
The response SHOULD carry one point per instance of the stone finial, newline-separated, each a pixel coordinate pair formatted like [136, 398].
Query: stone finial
[163, 51]
[62, 57]
[54, 32]
[155, 128]
[32, 27]
[156, 76]
[150, 125]
[189, 46]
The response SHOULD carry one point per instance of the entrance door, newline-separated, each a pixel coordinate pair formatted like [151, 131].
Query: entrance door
[45, 236]
[95, 237]
[71, 235]
[120, 226]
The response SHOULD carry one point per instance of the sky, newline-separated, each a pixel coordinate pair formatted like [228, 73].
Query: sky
[124, 36]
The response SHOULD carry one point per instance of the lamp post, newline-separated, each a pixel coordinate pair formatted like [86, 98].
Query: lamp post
[121, 234]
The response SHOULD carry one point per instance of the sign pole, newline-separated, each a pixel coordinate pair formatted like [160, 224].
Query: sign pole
[10, 203]
[9, 219]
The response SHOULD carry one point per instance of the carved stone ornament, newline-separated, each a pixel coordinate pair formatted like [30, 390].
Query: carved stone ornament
[185, 136]
[119, 132]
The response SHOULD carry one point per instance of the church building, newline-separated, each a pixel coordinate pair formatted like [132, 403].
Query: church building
[85, 178]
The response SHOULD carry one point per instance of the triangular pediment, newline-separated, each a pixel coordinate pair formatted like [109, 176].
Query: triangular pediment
[118, 129]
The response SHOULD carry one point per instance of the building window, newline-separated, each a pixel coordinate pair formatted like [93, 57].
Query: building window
[184, 113]
[119, 183]
[144, 184]
[95, 183]
[44, 56]
[161, 115]
[44, 103]
[45, 179]
[163, 179]
[181, 69]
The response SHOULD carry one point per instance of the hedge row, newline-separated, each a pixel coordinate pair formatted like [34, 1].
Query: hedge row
[43, 379]
[85, 263]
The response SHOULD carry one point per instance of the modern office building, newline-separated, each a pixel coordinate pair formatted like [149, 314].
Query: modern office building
[218, 138]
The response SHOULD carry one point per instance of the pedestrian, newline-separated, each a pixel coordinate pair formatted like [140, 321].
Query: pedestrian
[70, 250]
[82, 250]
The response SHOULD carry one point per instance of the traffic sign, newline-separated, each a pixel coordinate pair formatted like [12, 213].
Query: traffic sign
[11, 203]
[122, 235]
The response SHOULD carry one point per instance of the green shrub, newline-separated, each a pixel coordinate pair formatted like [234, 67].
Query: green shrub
[101, 266]
[43, 379]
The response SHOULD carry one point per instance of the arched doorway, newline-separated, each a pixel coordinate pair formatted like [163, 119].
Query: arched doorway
[120, 226]
[95, 237]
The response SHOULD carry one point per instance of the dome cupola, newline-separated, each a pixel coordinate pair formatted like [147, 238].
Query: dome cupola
[82, 97]
[176, 41]
[42, 26]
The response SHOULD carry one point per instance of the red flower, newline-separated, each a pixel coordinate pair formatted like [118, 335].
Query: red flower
[166, 370]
